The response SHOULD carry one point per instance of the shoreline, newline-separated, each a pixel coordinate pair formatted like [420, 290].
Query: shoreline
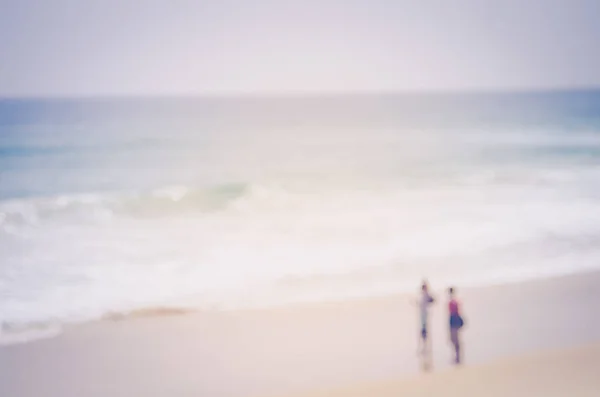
[29, 333]
[287, 350]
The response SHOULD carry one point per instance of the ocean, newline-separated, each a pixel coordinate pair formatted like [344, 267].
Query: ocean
[118, 205]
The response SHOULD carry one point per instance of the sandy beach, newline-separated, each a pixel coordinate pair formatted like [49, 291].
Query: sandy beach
[570, 372]
[534, 329]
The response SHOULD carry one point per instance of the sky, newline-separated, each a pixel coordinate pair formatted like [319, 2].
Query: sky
[189, 47]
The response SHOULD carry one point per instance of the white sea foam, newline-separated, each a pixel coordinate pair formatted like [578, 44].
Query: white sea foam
[28, 333]
[69, 262]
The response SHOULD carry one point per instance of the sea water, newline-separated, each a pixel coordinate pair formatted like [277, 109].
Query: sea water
[115, 205]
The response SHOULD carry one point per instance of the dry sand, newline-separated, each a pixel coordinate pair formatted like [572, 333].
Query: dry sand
[295, 349]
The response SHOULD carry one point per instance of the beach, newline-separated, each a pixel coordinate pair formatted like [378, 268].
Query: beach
[346, 346]
[570, 372]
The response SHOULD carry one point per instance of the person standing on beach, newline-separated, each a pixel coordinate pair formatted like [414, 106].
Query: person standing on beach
[456, 323]
[424, 302]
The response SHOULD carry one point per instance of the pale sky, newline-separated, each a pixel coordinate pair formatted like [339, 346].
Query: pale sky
[126, 47]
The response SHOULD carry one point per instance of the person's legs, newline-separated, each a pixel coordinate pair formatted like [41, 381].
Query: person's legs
[456, 343]
[423, 340]
[457, 347]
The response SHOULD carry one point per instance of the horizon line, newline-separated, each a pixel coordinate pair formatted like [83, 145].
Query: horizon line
[309, 94]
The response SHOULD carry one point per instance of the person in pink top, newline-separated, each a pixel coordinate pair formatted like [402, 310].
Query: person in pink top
[456, 323]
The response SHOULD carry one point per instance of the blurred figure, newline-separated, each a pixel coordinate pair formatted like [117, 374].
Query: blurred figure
[424, 302]
[456, 323]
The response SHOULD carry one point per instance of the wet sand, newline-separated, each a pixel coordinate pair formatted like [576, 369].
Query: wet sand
[569, 372]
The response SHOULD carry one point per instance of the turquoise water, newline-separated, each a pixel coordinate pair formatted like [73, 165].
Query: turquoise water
[119, 204]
